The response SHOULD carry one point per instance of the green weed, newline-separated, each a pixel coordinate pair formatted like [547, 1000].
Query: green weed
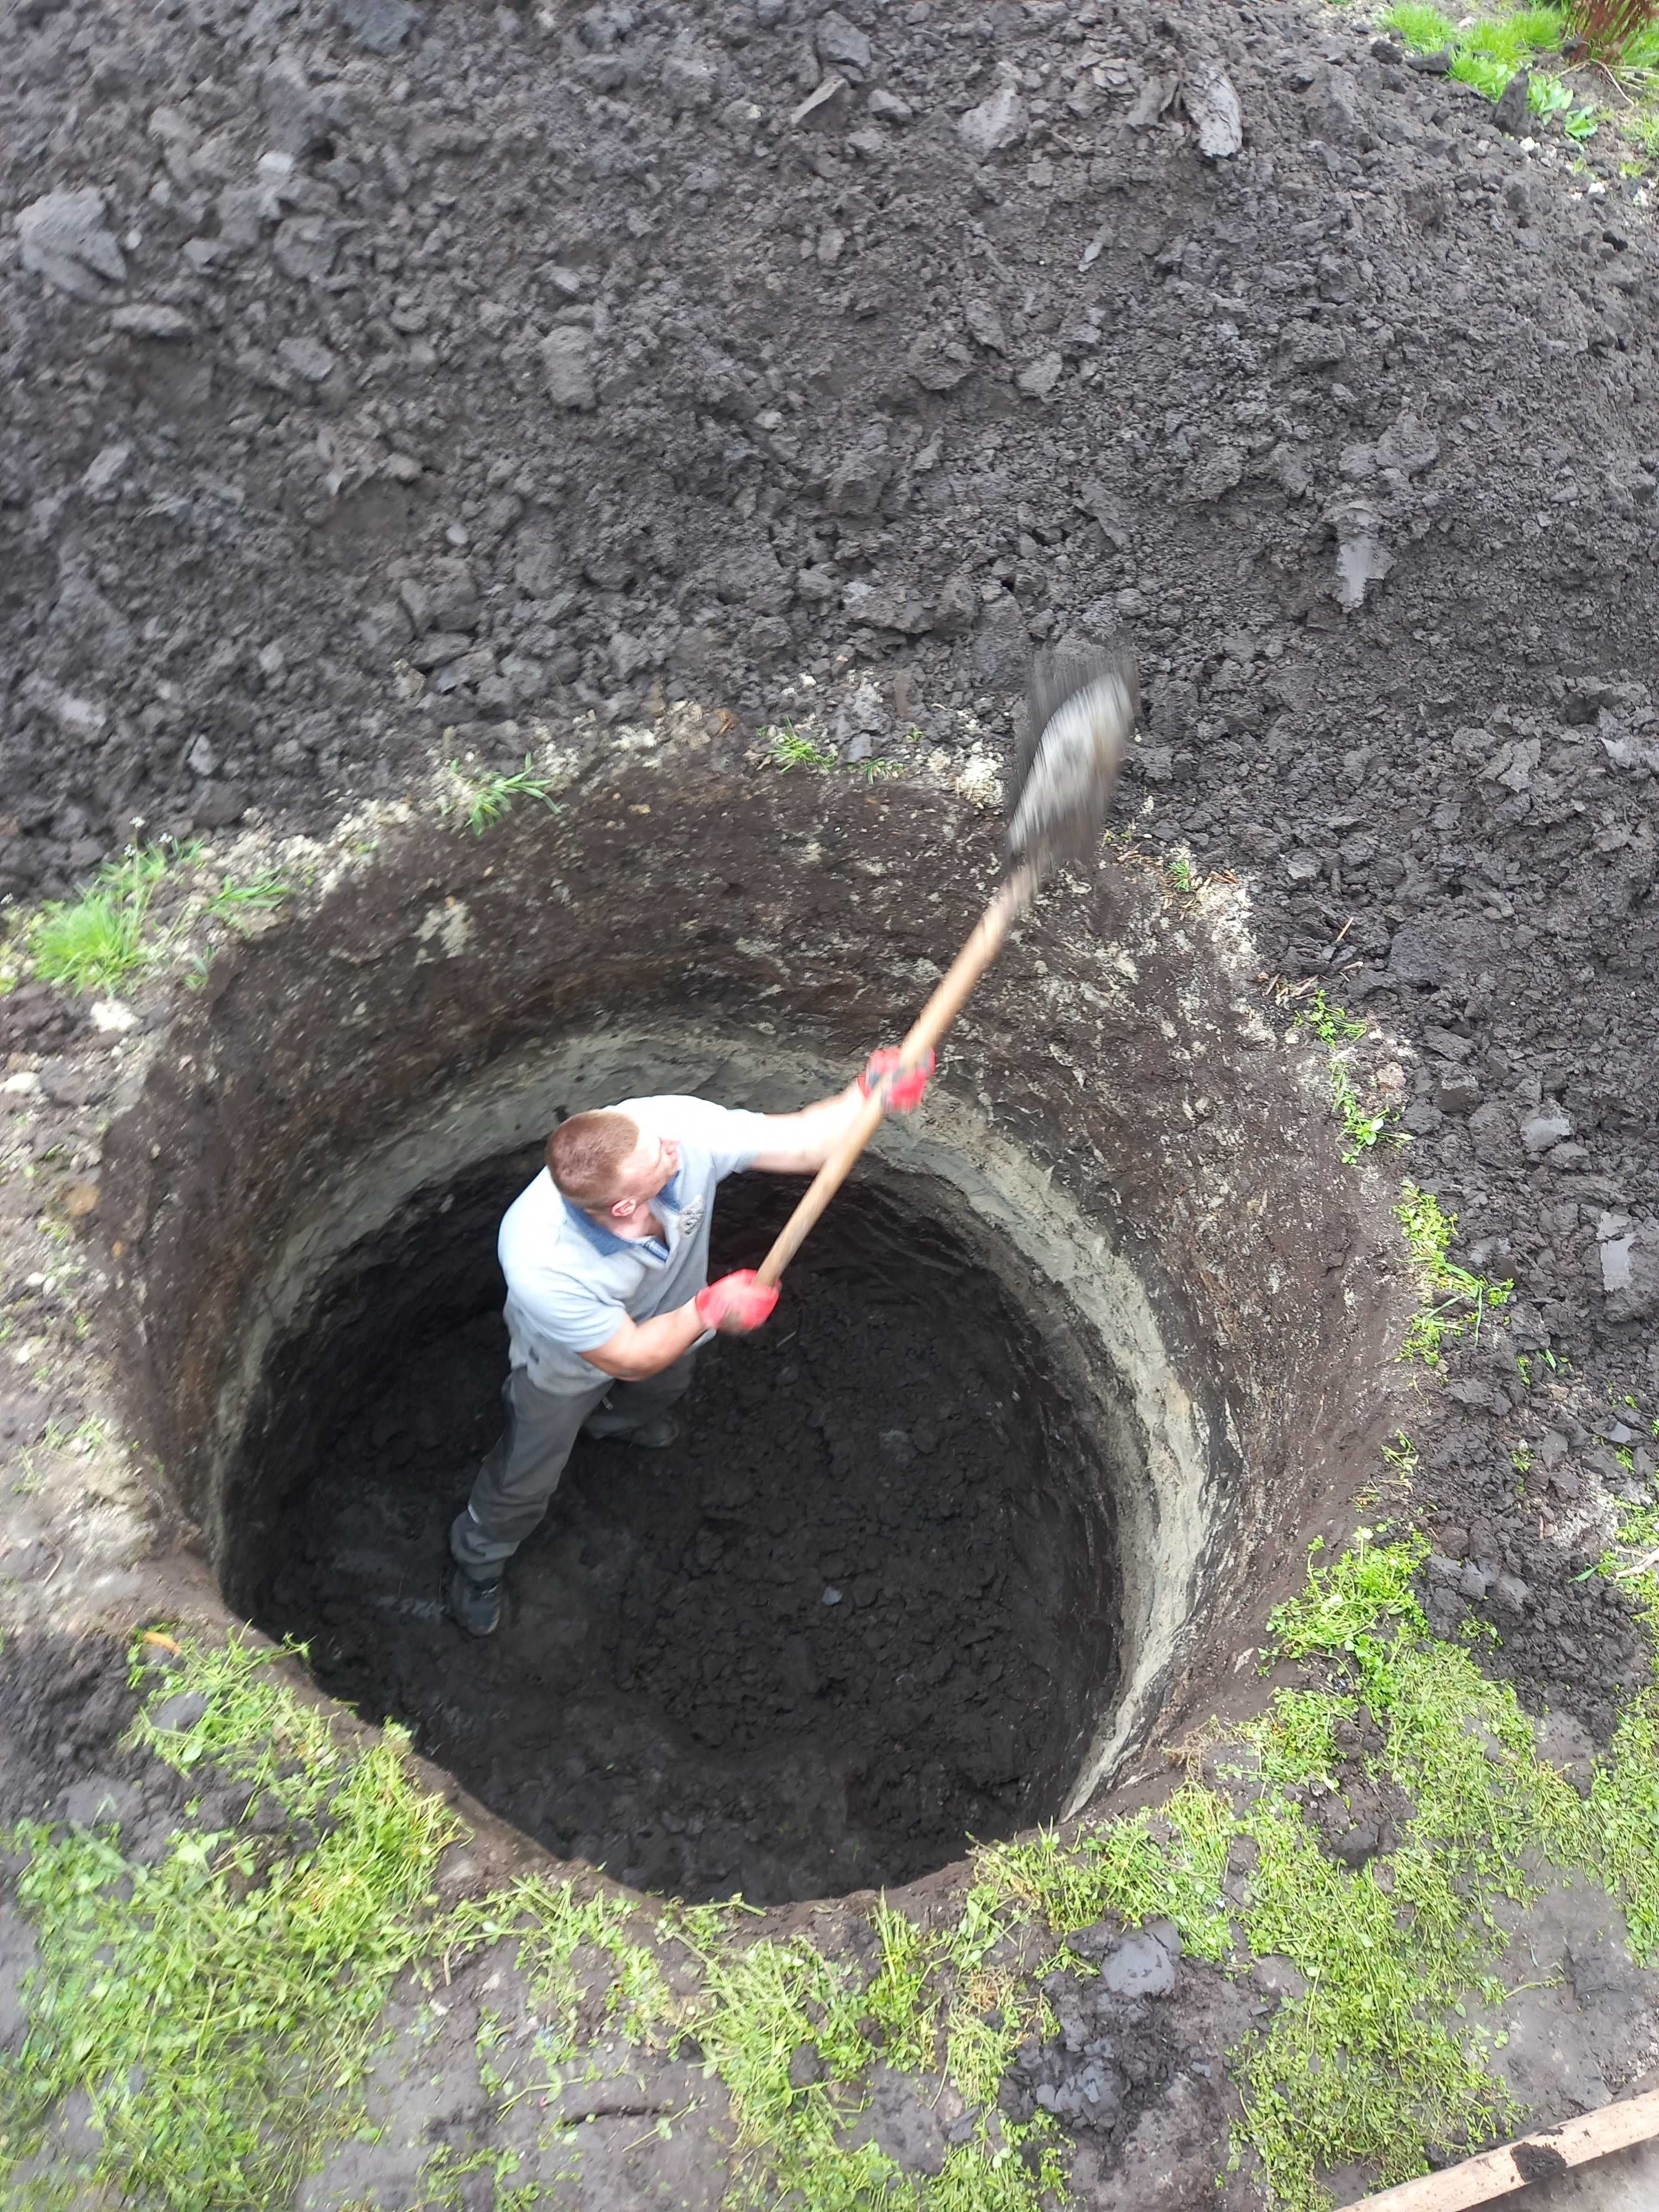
[234, 902]
[1331, 1025]
[877, 771]
[483, 800]
[1336, 1028]
[1457, 1298]
[1424, 29]
[97, 942]
[787, 748]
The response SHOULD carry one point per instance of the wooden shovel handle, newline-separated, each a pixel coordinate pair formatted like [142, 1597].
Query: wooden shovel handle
[1496, 2173]
[949, 998]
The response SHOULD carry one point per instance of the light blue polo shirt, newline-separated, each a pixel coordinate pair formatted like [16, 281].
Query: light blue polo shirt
[570, 1282]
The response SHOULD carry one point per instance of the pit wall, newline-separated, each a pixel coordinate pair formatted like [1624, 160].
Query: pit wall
[1112, 1106]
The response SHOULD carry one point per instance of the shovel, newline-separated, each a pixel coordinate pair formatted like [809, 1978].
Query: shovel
[1081, 710]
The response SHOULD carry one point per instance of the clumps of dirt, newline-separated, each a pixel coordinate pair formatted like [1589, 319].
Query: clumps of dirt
[66, 1707]
[813, 1646]
[463, 373]
[1135, 2072]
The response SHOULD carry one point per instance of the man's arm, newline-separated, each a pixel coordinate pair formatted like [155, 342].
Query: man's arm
[732, 1306]
[800, 1143]
[640, 1348]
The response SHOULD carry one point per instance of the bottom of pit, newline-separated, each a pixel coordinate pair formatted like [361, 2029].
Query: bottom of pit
[819, 1643]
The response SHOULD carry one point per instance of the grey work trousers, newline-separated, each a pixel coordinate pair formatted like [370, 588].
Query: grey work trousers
[521, 1470]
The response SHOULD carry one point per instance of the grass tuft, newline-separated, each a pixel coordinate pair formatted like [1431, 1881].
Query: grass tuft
[97, 942]
[1424, 29]
[483, 800]
[1457, 1297]
[789, 748]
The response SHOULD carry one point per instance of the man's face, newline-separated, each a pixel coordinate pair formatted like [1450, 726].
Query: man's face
[650, 1167]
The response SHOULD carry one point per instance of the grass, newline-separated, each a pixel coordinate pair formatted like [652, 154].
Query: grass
[106, 937]
[98, 942]
[787, 748]
[235, 903]
[1457, 1298]
[1487, 54]
[482, 800]
[218, 2008]
[1337, 1029]
[1330, 1023]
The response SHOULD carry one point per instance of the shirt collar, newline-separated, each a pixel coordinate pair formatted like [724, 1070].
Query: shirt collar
[606, 1240]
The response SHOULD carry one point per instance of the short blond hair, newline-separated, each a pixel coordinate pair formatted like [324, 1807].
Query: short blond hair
[585, 1155]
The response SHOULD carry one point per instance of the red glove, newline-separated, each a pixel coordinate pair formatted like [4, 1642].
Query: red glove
[736, 1304]
[900, 1093]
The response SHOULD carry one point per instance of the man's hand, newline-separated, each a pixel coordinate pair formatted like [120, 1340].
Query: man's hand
[900, 1093]
[736, 1304]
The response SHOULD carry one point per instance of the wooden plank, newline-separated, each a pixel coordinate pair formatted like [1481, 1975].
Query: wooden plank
[1534, 2158]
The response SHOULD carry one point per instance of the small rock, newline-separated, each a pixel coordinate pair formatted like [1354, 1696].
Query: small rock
[1458, 1094]
[1448, 1044]
[218, 804]
[1207, 95]
[1409, 444]
[104, 472]
[1540, 1132]
[181, 1712]
[688, 76]
[1355, 1846]
[841, 44]
[826, 108]
[887, 606]
[98, 1800]
[1279, 1978]
[1635, 1295]
[986, 324]
[1511, 112]
[806, 2066]
[382, 25]
[1214, 474]
[65, 241]
[568, 364]
[307, 357]
[995, 124]
[152, 319]
[889, 107]
[1492, 1129]
[1140, 1967]
[1038, 378]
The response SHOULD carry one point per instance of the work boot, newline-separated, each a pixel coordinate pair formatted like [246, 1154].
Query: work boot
[650, 1435]
[474, 1605]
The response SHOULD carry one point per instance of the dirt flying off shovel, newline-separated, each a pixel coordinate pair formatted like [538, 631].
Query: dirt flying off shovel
[1082, 707]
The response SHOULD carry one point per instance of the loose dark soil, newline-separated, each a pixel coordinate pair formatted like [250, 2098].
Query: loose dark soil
[813, 1646]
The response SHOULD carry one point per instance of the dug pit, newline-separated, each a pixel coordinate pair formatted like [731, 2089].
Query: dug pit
[1050, 1407]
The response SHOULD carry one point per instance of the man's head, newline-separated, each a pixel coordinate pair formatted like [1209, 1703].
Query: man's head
[608, 1165]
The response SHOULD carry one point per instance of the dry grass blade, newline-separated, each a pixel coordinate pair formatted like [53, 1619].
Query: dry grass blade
[1607, 27]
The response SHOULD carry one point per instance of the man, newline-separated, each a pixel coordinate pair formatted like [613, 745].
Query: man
[606, 1260]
